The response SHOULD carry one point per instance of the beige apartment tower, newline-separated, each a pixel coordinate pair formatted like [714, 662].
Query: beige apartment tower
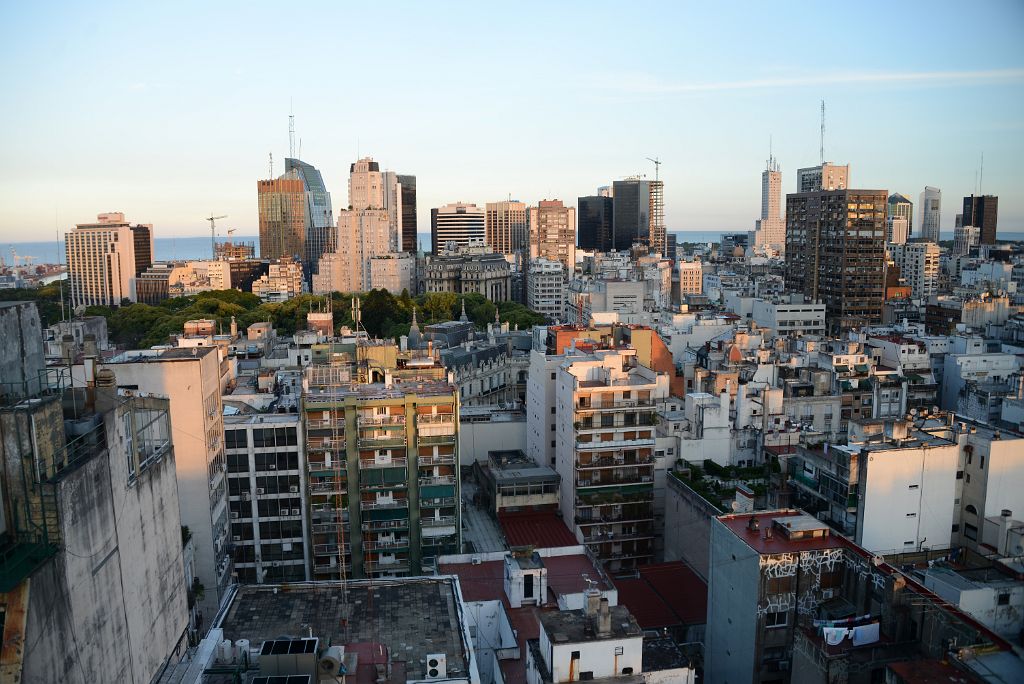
[505, 226]
[553, 233]
[101, 260]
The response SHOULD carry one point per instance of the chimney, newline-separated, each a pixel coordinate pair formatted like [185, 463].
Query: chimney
[106, 390]
[604, 618]
[591, 600]
[89, 347]
[234, 327]
[67, 348]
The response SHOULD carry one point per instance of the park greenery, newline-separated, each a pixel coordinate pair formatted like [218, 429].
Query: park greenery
[384, 315]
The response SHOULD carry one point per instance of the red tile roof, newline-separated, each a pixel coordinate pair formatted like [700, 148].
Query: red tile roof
[565, 574]
[479, 582]
[650, 611]
[681, 588]
[542, 530]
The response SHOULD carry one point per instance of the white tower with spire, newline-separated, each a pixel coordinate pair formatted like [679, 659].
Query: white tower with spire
[770, 229]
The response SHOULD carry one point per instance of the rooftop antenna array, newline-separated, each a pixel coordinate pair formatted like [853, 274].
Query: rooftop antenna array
[291, 132]
[271, 166]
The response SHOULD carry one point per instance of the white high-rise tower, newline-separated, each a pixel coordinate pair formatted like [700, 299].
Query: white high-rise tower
[771, 227]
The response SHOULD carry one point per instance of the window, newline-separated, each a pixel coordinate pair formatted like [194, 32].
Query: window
[914, 487]
[1003, 599]
[552, 410]
[971, 509]
[911, 515]
[552, 376]
[575, 655]
[236, 439]
[780, 585]
[618, 649]
[971, 531]
[775, 619]
[959, 474]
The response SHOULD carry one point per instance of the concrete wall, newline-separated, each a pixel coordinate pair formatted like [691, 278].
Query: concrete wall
[906, 495]
[688, 527]
[731, 633]
[112, 606]
[21, 348]
[477, 438]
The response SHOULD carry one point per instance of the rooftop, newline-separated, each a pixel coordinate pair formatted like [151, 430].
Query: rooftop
[413, 617]
[575, 626]
[160, 355]
[540, 530]
[760, 540]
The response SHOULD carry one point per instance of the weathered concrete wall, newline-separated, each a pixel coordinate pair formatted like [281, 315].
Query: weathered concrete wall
[21, 348]
[112, 605]
[687, 526]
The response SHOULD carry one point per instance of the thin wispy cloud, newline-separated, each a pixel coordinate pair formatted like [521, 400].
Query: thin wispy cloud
[645, 83]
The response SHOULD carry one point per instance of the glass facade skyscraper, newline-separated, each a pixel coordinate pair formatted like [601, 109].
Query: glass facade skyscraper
[594, 223]
[631, 222]
[981, 211]
[409, 218]
[319, 221]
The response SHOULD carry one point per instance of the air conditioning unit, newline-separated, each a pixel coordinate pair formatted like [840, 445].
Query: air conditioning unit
[246, 496]
[259, 491]
[237, 537]
[437, 666]
[271, 467]
[826, 594]
[296, 511]
[234, 515]
[294, 489]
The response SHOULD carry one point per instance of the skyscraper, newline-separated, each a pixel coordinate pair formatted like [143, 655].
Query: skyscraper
[282, 215]
[594, 229]
[409, 214]
[657, 212]
[101, 260]
[899, 219]
[319, 214]
[771, 227]
[461, 223]
[505, 226]
[370, 227]
[982, 212]
[931, 207]
[553, 233]
[826, 176]
[631, 217]
[836, 255]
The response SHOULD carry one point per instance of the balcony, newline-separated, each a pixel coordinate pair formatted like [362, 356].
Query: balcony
[384, 439]
[402, 543]
[428, 438]
[325, 424]
[324, 469]
[330, 568]
[330, 548]
[325, 444]
[398, 565]
[637, 442]
[617, 479]
[602, 537]
[439, 480]
[381, 421]
[440, 459]
[442, 521]
[616, 462]
[383, 504]
[614, 405]
[435, 426]
[437, 502]
[328, 487]
[379, 525]
[393, 462]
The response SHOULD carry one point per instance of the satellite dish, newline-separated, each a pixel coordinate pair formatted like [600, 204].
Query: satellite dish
[735, 505]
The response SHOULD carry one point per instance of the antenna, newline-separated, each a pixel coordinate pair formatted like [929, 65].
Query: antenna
[821, 147]
[981, 176]
[291, 131]
[657, 166]
[271, 166]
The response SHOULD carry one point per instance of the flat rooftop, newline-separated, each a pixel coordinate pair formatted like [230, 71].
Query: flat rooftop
[159, 355]
[541, 530]
[262, 419]
[413, 617]
[573, 625]
[778, 542]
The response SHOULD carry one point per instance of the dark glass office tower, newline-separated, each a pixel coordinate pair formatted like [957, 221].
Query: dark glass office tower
[981, 211]
[631, 222]
[594, 223]
[142, 236]
[408, 184]
[835, 253]
[319, 214]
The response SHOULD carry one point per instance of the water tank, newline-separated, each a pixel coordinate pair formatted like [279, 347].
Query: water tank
[226, 651]
[242, 650]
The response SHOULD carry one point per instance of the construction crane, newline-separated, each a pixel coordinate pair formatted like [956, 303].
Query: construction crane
[213, 231]
[657, 166]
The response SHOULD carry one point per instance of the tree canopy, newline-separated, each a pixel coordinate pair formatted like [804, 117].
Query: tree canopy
[383, 314]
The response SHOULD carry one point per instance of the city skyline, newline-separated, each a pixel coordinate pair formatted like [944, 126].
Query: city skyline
[187, 124]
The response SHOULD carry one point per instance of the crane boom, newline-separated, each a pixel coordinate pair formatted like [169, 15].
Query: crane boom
[213, 232]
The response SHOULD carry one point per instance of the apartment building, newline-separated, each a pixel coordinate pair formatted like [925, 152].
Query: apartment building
[102, 260]
[545, 288]
[190, 377]
[282, 281]
[605, 438]
[266, 463]
[382, 468]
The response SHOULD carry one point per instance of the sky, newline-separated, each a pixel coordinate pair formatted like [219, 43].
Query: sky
[168, 111]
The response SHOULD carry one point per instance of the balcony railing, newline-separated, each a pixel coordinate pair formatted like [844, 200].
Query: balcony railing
[382, 504]
[393, 462]
[615, 406]
[618, 462]
[440, 480]
[437, 503]
[322, 444]
[376, 525]
[320, 424]
[381, 421]
[616, 443]
[328, 549]
[435, 419]
[385, 545]
[443, 521]
[328, 487]
[329, 568]
[440, 459]
[436, 438]
[383, 440]
[398, 565]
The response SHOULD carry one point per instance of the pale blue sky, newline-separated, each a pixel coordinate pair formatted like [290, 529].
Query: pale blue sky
[167, 111]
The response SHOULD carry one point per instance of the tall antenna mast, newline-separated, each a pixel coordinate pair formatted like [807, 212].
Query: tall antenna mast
[271, 166]
[291, 132]
[821, 147]
[981, 176]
